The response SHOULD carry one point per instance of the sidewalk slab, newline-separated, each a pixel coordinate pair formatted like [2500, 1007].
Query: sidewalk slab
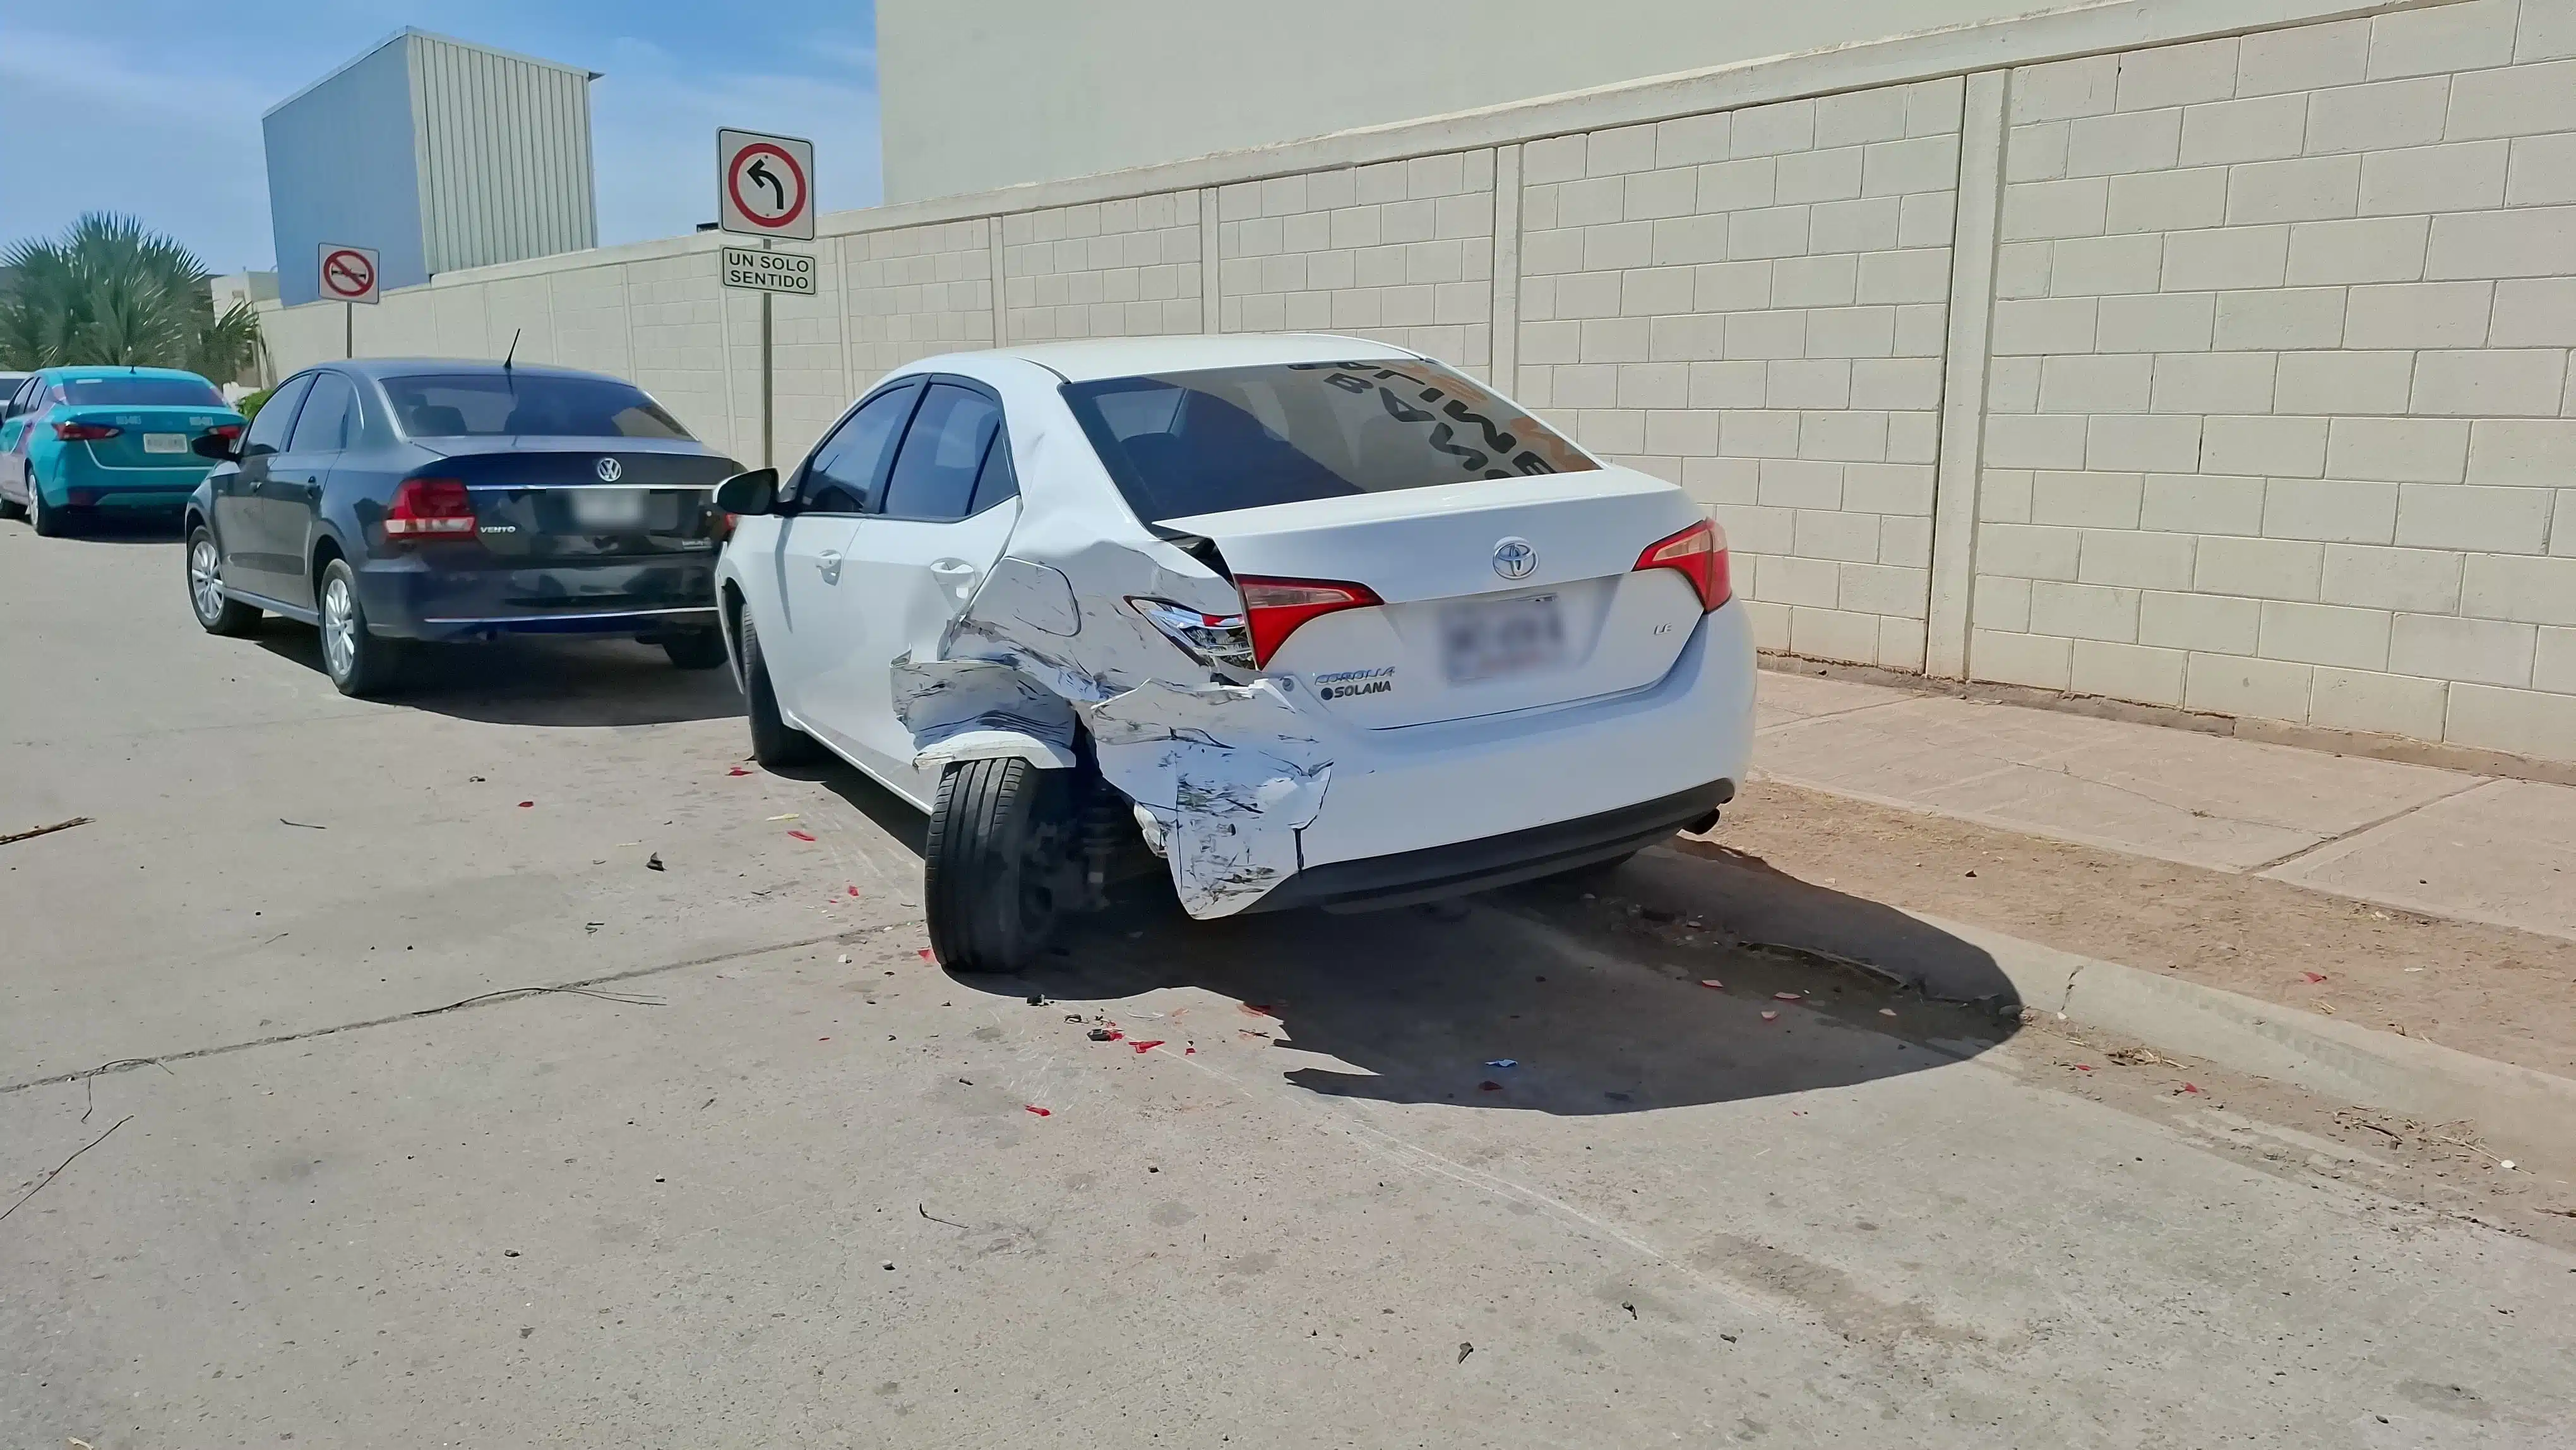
[2202, 800]
[2503, 853]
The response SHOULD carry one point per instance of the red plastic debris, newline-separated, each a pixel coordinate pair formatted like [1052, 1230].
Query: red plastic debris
[1148, 1045]
[1189, 1052]
[737, 770]
[854, 891]
[1770, 1016]
[1041, 1112]
[1713, 984]
[2314, 976]
[2083, 1067]
[2191, 1087]
[822, 1039]
[800, 835]
[926, 956]
[1489, 1086]
[523, 805]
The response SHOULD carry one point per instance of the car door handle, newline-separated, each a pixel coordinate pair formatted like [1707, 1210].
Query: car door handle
[829, 561]
[955, 573]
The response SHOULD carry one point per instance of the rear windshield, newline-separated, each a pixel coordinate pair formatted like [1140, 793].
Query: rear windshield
[493, 405]
[141, 392]
[1236, 438]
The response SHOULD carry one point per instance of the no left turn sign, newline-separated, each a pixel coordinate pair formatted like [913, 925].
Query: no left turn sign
[765, 185]
[349, 274]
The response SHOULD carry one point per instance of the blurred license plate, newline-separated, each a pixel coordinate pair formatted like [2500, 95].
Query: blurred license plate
[608, 508]
[165, 442]
[1481, 641]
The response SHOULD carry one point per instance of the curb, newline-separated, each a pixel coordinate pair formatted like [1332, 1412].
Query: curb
[2518, 1108]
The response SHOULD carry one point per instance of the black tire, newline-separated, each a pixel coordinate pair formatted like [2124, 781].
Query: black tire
[216, 612]
[697, 649]
[49, 522]
[998, 864]
[359, 663]
[10, 508]
[774, 742]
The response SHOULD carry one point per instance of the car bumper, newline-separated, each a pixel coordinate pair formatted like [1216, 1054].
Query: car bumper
[410, 598]
[1433, 810]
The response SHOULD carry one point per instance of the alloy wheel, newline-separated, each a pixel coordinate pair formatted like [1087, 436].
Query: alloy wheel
[205, 580]
[339, 629]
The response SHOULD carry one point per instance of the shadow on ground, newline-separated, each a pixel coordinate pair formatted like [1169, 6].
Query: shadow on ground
[536, 680]
[1602, 1009]
[124, 526]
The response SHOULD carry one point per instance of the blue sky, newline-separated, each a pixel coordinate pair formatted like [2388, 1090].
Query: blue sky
[152, 107]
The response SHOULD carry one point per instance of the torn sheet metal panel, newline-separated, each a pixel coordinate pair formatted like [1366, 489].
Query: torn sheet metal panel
[1230, 772]
[967, 709]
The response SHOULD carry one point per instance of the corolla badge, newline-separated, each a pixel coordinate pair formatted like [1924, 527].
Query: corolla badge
[1515, 559]
[609, 470]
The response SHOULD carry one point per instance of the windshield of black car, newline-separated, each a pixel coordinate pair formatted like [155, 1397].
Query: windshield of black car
[498, 405]
[1209, 441]
[141, 393]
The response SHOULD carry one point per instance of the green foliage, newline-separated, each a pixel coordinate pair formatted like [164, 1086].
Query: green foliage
[110, 292]
[249, 407]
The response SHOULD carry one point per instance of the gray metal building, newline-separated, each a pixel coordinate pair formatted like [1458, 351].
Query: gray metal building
[436, 153]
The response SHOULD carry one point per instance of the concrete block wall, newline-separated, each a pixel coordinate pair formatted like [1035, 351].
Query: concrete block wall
[1402, 252]
[2231, 373]
[2282, 420]
[1127, 268]
[1753, 305]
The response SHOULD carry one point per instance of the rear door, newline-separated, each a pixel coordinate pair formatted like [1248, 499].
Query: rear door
[14, 427]
[913, 561]
[249, 563]
[827, 498]
[286, 498]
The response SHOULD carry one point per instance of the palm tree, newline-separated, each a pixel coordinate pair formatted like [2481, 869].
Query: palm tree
[110, 292]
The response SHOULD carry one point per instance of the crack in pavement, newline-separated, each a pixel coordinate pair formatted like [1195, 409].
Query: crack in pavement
[488, 999]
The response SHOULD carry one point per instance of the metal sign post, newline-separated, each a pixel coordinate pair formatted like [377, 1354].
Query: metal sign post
[765, 188]
[349, 276]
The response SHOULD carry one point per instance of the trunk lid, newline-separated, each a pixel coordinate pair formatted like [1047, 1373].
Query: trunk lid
[1457, 635]
[568, 500]
[155, 437]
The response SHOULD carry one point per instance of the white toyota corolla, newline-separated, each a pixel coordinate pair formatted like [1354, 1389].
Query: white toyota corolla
[1317, 621]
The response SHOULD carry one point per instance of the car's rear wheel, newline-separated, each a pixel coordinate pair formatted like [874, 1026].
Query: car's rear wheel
[49, 523]
[216, 611]
[774, 742]
[10, 508]
[358, 663]
[696, 649]
[998, 865]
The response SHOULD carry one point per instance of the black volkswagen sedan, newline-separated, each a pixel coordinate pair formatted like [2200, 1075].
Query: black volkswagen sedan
[394, 500]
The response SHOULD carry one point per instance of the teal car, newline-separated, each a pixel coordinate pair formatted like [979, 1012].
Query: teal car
[124, 438]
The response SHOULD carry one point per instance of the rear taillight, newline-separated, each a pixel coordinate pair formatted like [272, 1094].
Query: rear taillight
[1211, 639]
[229, 432]
[430, 508]
[84, 432]
[1699, 552]
[1274, 608]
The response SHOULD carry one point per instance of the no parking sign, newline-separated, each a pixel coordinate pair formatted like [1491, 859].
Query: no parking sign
[349, 274]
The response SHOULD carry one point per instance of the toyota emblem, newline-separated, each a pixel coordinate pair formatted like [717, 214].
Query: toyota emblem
[609, 470]
[1515, 559]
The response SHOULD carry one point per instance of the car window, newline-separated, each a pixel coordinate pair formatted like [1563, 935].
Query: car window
[501, 405]
[844, 468]
[21, 399]
[323, 426]
[943, 452]
[998, 480]
[268, 430]
[86, 391]
[1236, 438]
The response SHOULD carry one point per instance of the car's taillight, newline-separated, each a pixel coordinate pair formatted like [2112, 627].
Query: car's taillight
[84, 432]
[1274, 608]
[226, 431]
[1211, 639]
[430, 508]
[1699, 552]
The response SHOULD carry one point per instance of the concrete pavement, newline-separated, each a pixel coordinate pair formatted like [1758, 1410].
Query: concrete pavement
[2440, 842]
[665, 1216]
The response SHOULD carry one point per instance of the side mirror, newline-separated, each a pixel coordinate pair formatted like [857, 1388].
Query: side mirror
[215, 446]
[755, 492]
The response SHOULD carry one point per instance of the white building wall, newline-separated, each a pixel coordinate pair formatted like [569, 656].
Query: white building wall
[2257, 398]
[2282, 416]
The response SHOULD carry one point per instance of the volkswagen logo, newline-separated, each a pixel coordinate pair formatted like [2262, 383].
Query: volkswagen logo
[1515, 559]
[609, 470]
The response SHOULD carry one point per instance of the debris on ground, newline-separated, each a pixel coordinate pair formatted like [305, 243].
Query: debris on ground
[791, 815]
[924, 954]
[1037, 999]
[1788, 996]
[2135, 1056]
[1886, 1011]
[16, 836]
[1101, 1034]
[94, 1142]
[2313, 977]
[1713, 984]
[801, 835]
[845, 959]
[1770, 1016]
[301, 825]
[737, 770]
[523, 805]
[1502, 1062]
[1148, 1045]
[1465, 1349]
[654, 862]
[1041, 1112]
[591, 928]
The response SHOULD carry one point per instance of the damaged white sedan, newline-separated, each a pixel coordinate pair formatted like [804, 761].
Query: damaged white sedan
[1316, 621]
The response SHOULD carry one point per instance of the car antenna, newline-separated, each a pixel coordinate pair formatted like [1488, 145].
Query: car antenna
[514, 348]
